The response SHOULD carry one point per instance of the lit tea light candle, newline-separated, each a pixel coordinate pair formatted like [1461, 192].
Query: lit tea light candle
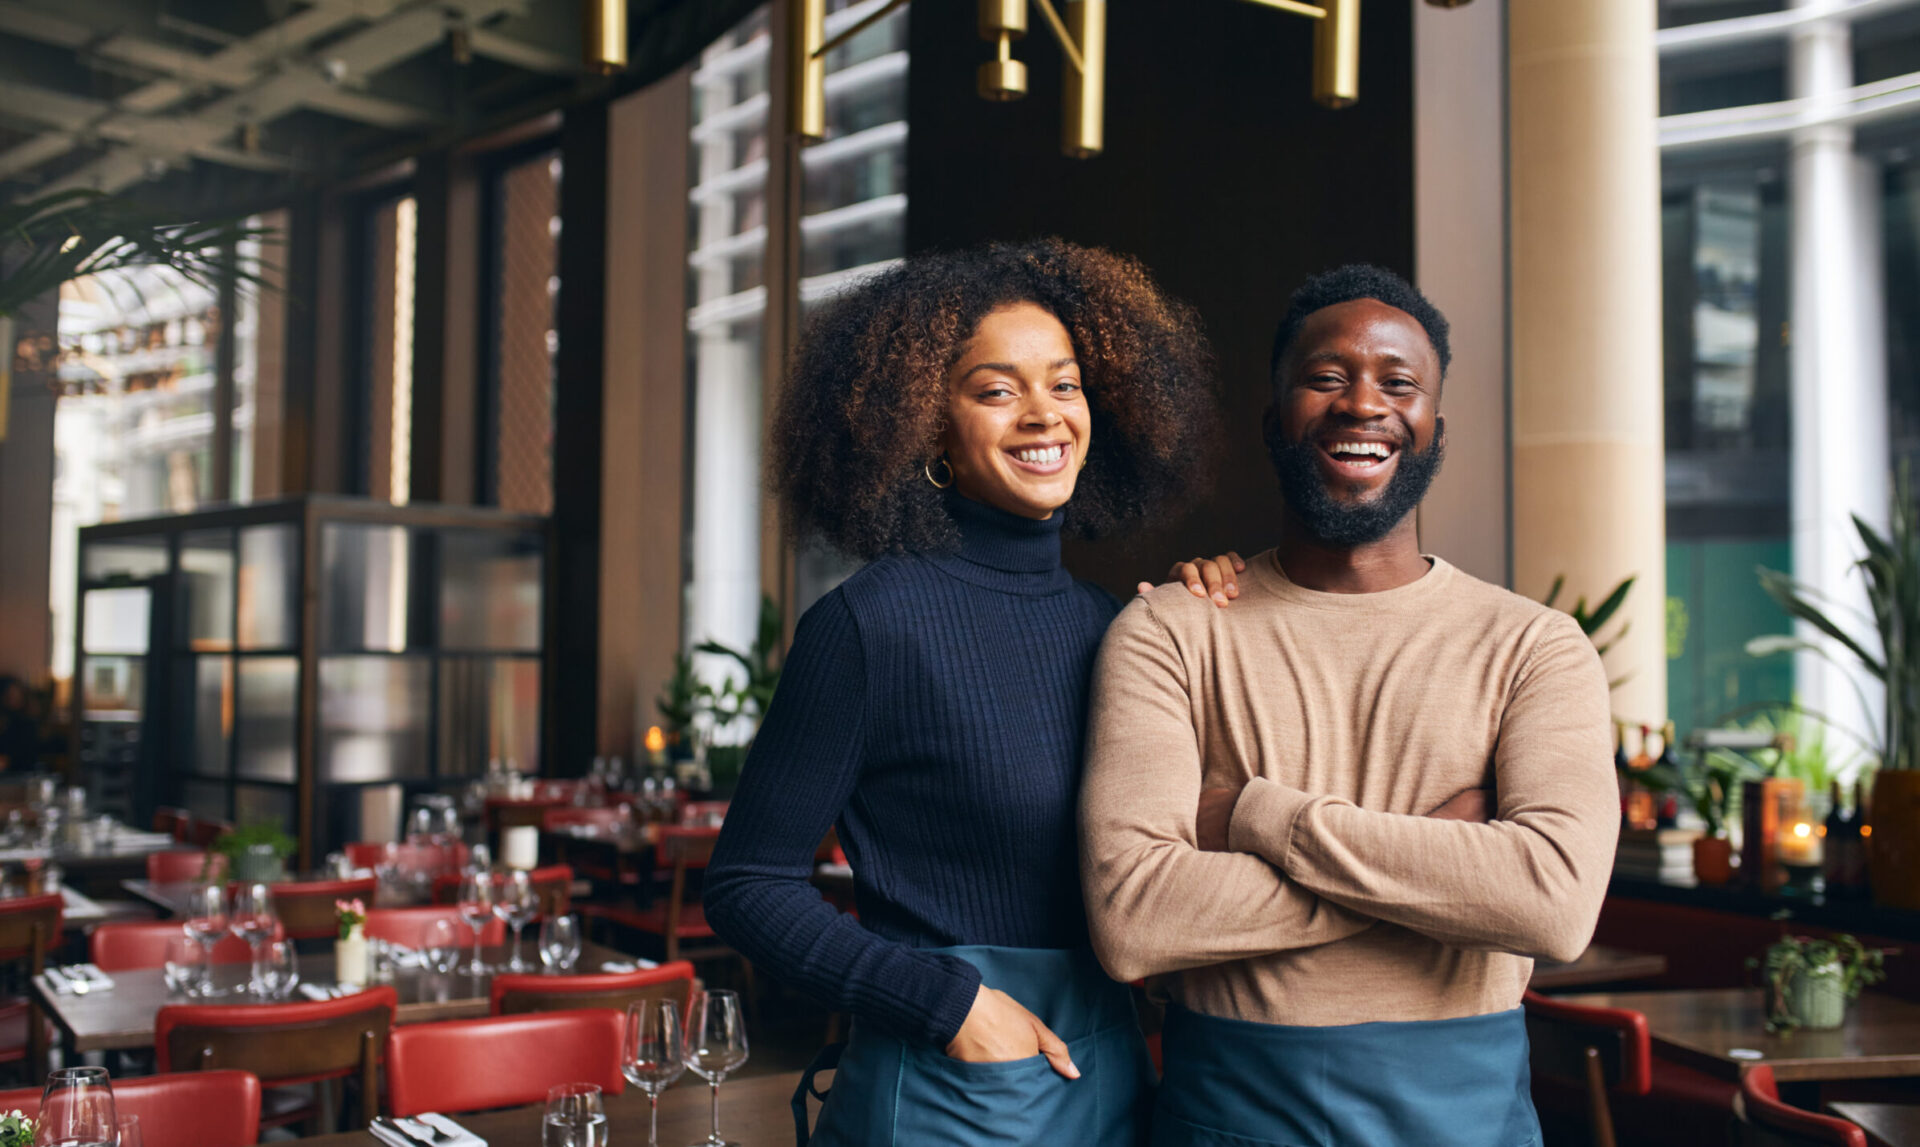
[656, 747]
[1799, 845]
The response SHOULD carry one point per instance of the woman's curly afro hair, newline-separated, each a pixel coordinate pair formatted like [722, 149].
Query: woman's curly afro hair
[864, 405]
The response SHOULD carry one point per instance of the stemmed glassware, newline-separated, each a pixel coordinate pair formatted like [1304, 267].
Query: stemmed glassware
[716, 1044]
[207, 923]
[253, 920]
[182, 964]
[559, 943]
[653, 1054]
[514, 903]
[76, 1109]
[575, 1117]
[475, 903]
[440, 947]
[280, 970]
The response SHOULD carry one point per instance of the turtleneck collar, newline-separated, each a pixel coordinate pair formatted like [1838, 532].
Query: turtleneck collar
[1004, 551]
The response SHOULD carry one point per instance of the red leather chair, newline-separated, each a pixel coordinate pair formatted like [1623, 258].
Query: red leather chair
[696, 814]
[1599, 1062]
[177, 866]
[1767, 1122]
[305, 907]
[285, 1043]
[501, 1061]
[676, 921]
[202, 833]
[412, 858]
[552, 887]
[143, 944]
[408, 926]
[519, 994]
[172, 821]
[29, 929]
[184, 1109]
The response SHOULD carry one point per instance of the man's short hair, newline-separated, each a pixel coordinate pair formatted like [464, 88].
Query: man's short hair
[1358, 281]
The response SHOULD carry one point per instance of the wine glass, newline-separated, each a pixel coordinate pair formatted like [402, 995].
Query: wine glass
[514, 903]
[475, 904]
[130, 1132]
[575, 1117]
[421, 831]
[716, 1044]
[182, 963]
[253, 921]
[560, 943]
[279, 970]
[76, 1109]
[450, 826]
[440, 946]
[207, 923]
[653, 1054]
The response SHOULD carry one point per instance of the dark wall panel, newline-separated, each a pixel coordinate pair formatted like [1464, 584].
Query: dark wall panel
[1220, 173]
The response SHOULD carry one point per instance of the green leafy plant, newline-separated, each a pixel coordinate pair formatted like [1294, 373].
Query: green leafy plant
[1892, 571]
[1860, 967]
[679, 700]
[234, 845]
[62, 235]
[1591, 623]
[748, 697]
[16, 1130]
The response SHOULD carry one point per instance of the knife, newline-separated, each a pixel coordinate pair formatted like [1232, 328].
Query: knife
[394, 1126]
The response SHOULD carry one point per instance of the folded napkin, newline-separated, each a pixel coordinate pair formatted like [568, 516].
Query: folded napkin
[450, 1134]
[632, 965]
[61, 979]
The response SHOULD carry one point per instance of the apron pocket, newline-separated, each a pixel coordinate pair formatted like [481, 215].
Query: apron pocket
[1169, 1131]
[945, 1101]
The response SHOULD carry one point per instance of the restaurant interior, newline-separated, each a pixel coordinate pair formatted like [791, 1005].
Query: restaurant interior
[390, 588]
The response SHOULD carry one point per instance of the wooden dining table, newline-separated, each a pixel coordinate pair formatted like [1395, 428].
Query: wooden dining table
[121, 1018]
[1886, 1124]
[1723, 1032]
[1599, 964]
[754, 1112]
[174, 896]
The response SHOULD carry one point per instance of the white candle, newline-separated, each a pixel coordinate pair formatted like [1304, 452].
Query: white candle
[520, 847]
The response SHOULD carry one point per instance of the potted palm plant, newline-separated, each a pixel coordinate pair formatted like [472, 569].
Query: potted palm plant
[1892, 571]
[62, 235]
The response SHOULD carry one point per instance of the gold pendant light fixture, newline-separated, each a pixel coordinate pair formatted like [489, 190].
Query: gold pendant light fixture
[1082, 35]
[603, 38]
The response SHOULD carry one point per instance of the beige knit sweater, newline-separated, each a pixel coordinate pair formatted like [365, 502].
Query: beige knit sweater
[1347, 717]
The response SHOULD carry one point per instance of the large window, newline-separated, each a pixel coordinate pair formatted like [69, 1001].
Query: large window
[382, 453]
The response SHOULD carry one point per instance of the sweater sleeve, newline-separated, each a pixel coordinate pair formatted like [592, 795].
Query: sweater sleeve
[1155, 902]
[1529, 882]
[798, 777]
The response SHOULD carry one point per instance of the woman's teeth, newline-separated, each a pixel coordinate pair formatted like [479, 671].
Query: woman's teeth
[1040, 457]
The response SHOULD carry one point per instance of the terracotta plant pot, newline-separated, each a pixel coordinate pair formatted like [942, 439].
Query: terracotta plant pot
[1713, 860]
[1893, 851]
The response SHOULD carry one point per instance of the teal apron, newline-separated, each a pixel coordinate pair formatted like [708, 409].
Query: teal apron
[888, 1092]
[1436, 1083]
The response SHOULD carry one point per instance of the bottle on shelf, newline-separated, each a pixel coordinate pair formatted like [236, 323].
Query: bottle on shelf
[1669, 801]
[1846, 848]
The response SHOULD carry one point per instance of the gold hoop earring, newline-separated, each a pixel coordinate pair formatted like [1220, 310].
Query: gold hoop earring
[946, 465]
[1083, 461]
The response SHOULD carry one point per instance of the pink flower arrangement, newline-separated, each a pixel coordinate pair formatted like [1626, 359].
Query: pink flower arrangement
[349, 914]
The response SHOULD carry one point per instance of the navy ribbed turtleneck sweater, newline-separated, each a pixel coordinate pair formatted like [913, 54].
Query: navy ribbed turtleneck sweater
[934, 708]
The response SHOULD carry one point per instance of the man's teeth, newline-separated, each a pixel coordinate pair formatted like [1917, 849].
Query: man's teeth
[1040, 457]
[1376, 449]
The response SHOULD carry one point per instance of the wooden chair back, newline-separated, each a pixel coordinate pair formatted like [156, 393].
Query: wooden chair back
[285, 1043]
[29, 928]
[119, 946]
[468, 1065]
[305, 907]
[1596, 1050]
[1767, 1122]
[552, 888]
[518, 994]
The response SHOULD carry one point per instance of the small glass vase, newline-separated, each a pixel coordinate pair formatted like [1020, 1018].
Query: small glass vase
[1817, 997]
[350, 958]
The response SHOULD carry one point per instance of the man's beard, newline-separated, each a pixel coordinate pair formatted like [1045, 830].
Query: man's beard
[1334, 522]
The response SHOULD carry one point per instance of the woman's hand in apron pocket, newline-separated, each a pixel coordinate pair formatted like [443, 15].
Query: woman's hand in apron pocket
[1000, 1029]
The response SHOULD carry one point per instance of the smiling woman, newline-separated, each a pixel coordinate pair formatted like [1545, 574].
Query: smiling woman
[891, 376]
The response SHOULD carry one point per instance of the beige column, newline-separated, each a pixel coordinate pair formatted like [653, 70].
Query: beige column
[1589, 496]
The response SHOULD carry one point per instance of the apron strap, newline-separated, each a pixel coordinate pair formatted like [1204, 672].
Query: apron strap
[827, 1060]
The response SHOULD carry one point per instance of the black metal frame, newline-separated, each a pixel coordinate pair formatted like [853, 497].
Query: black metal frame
[309, 515]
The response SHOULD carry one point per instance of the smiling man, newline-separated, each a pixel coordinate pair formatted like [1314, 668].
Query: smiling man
[1342, 817]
